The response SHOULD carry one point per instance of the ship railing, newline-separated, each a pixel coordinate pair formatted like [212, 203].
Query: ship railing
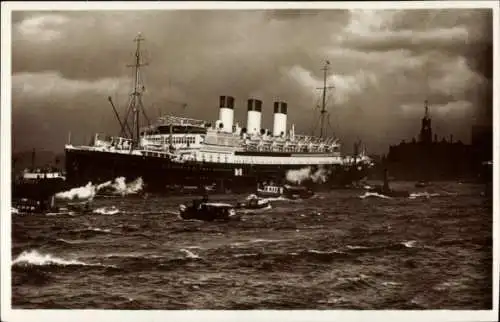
[158, 153]
[177, 120]
[318, 141]
[225, 158]
[313, 148]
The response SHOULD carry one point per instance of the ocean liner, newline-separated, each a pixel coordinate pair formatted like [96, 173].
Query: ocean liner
[180, 151]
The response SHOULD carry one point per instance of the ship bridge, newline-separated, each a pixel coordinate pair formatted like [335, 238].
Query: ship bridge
[176, 125]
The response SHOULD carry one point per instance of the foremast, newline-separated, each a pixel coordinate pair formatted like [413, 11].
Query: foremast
[135, 107]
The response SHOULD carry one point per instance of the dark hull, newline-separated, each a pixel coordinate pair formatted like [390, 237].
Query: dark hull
[40, 190]
[208, 213]
[159, 174]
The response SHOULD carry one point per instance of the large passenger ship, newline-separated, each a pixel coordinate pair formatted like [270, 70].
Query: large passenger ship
[184, 151]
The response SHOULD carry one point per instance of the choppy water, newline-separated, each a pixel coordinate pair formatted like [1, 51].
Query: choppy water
[336, 251]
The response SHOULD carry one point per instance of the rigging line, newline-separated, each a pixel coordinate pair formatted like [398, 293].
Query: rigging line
[330, 124]
[144, 111]
[315, 125]
[125, 119]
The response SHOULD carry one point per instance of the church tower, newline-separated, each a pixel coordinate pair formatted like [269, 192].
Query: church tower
[426, 130]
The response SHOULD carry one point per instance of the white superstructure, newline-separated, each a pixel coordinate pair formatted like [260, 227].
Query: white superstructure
[184, 139]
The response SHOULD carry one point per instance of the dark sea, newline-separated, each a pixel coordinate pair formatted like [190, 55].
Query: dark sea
[344, 249]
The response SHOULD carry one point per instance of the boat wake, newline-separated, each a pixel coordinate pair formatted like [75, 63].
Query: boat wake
[274, 199]
[246, 211]
[407, 244]
[189, 254]
[416, 195]
[413, 195]
[112, 210]
[374, 194]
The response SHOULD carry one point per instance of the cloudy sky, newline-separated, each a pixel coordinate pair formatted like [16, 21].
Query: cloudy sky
[384, 64]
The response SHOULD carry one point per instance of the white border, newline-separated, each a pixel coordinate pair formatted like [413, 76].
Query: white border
[84, 315]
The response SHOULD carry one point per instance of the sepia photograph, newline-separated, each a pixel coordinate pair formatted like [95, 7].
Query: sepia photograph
[249, 157]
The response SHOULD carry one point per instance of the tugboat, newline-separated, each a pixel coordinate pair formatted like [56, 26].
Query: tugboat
[38, 206]
[285, 191]
[33, 188]
[31, 206]
[254, 203]
[207, 211]
[386, 190]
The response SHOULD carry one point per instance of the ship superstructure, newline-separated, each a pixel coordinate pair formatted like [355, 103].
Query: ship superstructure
[175, 149]
[37, 183]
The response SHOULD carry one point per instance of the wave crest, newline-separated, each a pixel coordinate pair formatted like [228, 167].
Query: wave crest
[33, 257]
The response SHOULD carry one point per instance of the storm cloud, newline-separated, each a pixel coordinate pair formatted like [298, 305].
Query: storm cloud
[384, 64]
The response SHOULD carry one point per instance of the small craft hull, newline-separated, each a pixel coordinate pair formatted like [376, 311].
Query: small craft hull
[254, 204]
[208, 212]
[391, 193]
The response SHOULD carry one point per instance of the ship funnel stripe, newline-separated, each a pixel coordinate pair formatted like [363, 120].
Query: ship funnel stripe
[255, 105]
[226, 102]
[280, 107]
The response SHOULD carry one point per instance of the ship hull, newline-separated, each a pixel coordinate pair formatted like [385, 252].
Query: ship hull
[160, 174]
[41, 190]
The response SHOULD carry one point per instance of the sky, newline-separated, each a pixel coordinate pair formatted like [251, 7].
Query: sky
[383, 65]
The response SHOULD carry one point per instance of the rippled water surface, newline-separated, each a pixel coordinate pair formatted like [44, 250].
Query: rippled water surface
[335, 251]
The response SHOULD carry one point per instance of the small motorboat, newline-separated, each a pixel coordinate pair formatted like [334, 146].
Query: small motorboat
[27, 205]
[389, 192]
[297, 192]
[254, 203]
[81, 207]
[32, 206]
[285, 191]
[207, 211]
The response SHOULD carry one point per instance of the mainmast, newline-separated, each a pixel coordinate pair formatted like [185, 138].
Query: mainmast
[323, 105]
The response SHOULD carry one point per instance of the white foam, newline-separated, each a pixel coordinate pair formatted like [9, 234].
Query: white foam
[410, 243]
[120, 187]
[189, 254]
[85, 192]
[89, 191]
[33, 257]
[374, 194]
[107, 210]
[422, 194]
